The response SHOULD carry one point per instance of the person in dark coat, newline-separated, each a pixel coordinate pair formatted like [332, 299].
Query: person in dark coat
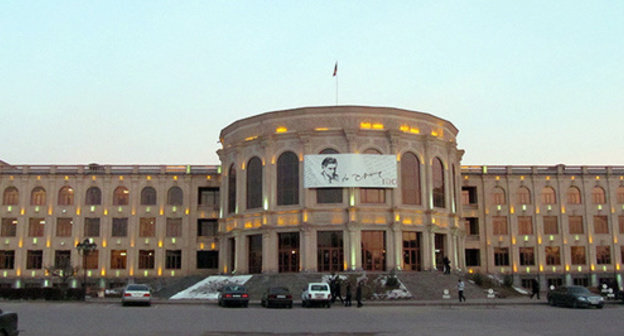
[358, 294]
[337, 290]
[536, 288]
[347, 301]
[447, 265]
[332, 287]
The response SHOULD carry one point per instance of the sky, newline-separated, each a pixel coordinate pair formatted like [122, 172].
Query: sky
[154, 82]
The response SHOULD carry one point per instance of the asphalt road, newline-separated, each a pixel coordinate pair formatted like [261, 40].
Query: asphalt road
[43, 318]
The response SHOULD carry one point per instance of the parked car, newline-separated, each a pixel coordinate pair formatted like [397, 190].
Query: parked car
[8, 324]
[136, 294]
[574, 296]
[235, 295]
[316, 293]
[277, 297]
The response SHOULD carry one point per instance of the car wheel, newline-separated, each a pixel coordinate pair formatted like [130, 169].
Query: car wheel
[303, 303]
[574, 304]
[600, 306]
[290, 306]
[245, 304]
[551, 302]
[328, 305]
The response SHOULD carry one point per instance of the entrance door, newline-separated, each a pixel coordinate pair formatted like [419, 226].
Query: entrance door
[374, 250]
[440, 252]
[330, 252]
[411, 251]
[288, 250]
[232, 243]
[255, 254]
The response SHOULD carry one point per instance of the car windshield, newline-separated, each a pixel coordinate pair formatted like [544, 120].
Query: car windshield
[235, 289]
[319, 288]
[137, 288]
[578, 290]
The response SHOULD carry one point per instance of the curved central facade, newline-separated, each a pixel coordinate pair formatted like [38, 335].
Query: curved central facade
[275, 220]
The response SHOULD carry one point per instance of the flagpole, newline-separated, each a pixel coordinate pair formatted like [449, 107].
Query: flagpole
[336, 76]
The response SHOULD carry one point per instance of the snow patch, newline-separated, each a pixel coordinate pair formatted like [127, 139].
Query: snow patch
[207, 289]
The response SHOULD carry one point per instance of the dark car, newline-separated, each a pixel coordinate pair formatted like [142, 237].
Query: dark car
[8, 324]
[575, 297]
[277, 297]
[235, 295]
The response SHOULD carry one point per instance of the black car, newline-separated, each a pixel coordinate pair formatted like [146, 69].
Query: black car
[234, 295]
[575, 297]
[277, 297]
[8, 323]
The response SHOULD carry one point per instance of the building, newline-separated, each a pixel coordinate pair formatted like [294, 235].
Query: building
[320, 189]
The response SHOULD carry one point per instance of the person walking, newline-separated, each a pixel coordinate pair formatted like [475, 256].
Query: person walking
[536, 288]
[358, 294]
[460, 290]
[447, 265]
[348, 295]
[338, 290]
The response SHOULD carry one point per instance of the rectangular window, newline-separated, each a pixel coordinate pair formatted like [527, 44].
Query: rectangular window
[553, 255]
[208, 197]
[499, 225]
[62, 259]
[92, 227]
[207, 227]
[9, 227]
[621, 225]
[601, 225]
[527, 257]
[64, 227]
[147, 227]
[473, 257]
[373, 195]
[577, 254]
[525, 226]
[328, 195]
[120, 227]
[7, 259]
[576, 224]
[584, 282]
[34, 259]
[118, 259]
[174, 227]
[91, 260]
[550, 225]
[469, 195]
[501, 256]
[35, 227]
[207, 259]
[603, 255]
[472, 226]
[173, 259]
[146, 259]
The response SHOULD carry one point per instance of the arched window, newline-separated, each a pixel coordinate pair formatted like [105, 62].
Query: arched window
[121, 196]
[549, 196]
[231, 189]
[288, 179]
[66, 196]
[410, 179]
[329, 195]
[523, 195]
[372, 195]
[598, 195]
[148, 196]
[38, 196]
[620, 195]
[93, 196]
[574, 195]
[498, 196]
[175, 196]
[254, 183]
[11, 196]
[438, 183]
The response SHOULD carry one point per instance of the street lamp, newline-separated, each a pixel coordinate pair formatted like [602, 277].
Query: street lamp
[85, 248]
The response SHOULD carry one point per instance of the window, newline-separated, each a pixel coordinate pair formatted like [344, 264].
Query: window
[173, 259]
[175, 196]
[584, 281]
[469, 195]
[254, 255]
[9, 227]
[473, 257]
[35, 227]
[472, 226]
[66, 196]
[11, 196]
[621, 225]
[577, 254]
[92, 227]
[174, 227]
[34, 259]
[91, 260]
[523, 195]
[254, 183]
[120, 227]
[288, 251]
[598, 196]
[575, 224]
[64, 227]
[330, 253]
[93, 196]
[118, 259]
[208, 197]
[501, 256]
[548, 196]
[147, 227]
[38, 196]
[7, 259]
[603, 255]
[207, 227]
[499, 225]
[601, 225]
[620, 195]
[328, 195]
[231, 190]
[146, 259]
[62, 259]
[550, 225]
[574, 195]
[525, 225]
[288, 179]
[438, 183]
[207, 259]
[527, 257]
[553, 255]
[498, 196]
[410, 179]
[148, 196]
[373, 250]
[121, 196]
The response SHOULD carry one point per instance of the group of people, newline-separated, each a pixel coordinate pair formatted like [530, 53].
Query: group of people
[335, 286]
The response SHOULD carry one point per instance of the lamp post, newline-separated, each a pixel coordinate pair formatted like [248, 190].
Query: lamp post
[85, 248]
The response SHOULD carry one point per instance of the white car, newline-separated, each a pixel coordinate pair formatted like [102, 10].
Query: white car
[136, 294]
[316, 293]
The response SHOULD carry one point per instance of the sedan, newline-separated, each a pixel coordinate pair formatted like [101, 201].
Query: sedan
[233, 296]
[575, 297]
[277, 297]
[136, 294]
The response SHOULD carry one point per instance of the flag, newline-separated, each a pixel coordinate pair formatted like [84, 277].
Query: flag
[335, 69]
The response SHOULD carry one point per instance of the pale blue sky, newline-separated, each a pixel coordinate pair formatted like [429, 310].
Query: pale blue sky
[154, 82]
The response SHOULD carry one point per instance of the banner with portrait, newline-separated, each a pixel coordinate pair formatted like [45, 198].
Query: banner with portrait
[349, 170]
